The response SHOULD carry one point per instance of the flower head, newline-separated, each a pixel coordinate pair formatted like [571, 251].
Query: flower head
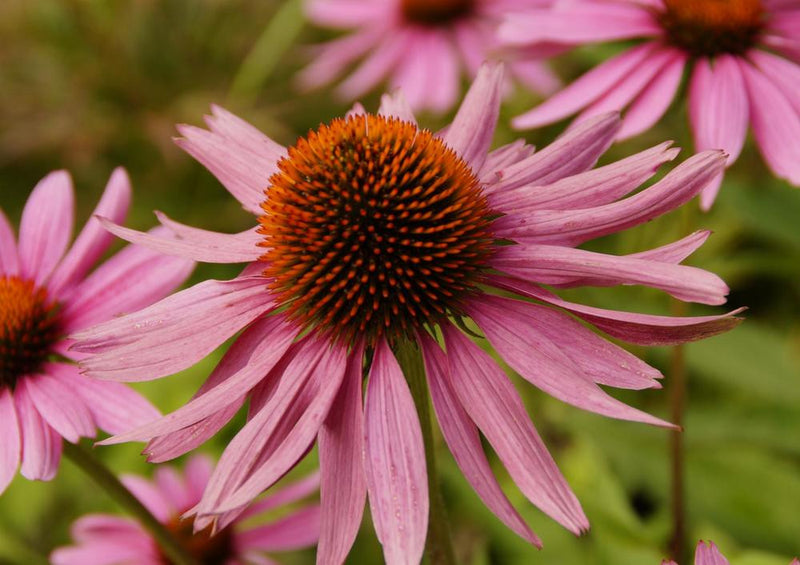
[168, 497]
[743, 56]
[709, 554]
[419, 45]
[46, 293]
[374, 236]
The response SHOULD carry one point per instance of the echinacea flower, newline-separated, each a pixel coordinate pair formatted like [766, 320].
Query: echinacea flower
[45, 295]
[709, 554]
[421, 46]
[744, 57]
[104, 539]
[374, 234]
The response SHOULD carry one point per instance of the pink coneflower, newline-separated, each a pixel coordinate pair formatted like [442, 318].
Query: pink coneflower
[421, 46]
[104, 539]
[743, 55]
[44, 295]
[373, 235]
[709, 554]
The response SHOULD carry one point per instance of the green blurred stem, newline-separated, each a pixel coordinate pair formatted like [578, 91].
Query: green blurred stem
[439, 545]
[106, 480]
[678, 407]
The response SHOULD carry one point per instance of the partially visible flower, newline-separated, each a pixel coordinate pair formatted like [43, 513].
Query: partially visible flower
[420, 45]
[44, 295]
[374, 234]
[105, 539]
[709, 554]
[744, 57]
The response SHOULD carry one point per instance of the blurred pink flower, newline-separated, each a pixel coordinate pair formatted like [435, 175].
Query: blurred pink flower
[376, 233]
[420, 45]
[44, 295]
[709, 554]
[743, 56]
[105, 539]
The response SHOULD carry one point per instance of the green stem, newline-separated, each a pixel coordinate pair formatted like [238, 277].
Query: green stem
[439, 545]
[106, 480]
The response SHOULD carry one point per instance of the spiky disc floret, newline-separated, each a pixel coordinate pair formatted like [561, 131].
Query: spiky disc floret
[28, 328]
[713, 27]
[373, 227]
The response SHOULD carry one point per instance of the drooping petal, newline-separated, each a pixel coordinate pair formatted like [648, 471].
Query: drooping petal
[397, 482]
[41, 445]
[470, 134]
[9, 260]
[295, 531]
[641, 329]
[550, 264]
[174, 444]
[285, 495]
[513, 329]
[10, 447]
[328, 375]
[93, 240]
[574, 226]
[575, 151]
[595, 187]
[343, 490]
[174, 489]
[328, 60]
[585, 90]
[464, 442]
[776, 125]
[132, 279]
[376, 65]
[46, 226]
[58, 404]
[193, 243]
[247, 362]
[173, 334]
[149, 495]
[496, 408]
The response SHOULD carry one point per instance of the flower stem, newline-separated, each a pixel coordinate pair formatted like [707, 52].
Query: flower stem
[439, 545]
[106, 480]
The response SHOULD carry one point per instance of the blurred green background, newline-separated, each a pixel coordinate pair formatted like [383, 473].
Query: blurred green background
[88, 85]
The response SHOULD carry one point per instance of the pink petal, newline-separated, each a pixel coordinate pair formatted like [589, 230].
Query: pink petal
[496, 408]
[654, 100]
[583, 24]
[10, 448]
[470, 134]
[676, 251]
[249, 360]
[174, 444]
[536, 76]
[718, 106]
[344, 489]
[464, 442]
[175, 333]
[600, 360]
[285, 495]
[331, 58]
[397, 481]
[575, 151]
[46, 226]
[93, 526]
[267, 429]
[41, 445]
[591, 188]
[345, 13]
[395, 105]
[150, 496]
[195, 244]
[58, 404]
[641, 329]
[9, 261]
[197, 471]
[429, 73]
[776, 125]
[784, 73]
[574, 226]
[295, 531]
[243, 167]
[708, 554]
[248, 137]
[130, 280]
[135, 549]
[328, 375]
[93, 240]
[585, 90]
[377, 64]
[538, 358]
[504, 156]
[115, 407]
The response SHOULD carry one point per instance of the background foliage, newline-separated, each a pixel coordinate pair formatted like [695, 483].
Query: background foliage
[87, 85]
